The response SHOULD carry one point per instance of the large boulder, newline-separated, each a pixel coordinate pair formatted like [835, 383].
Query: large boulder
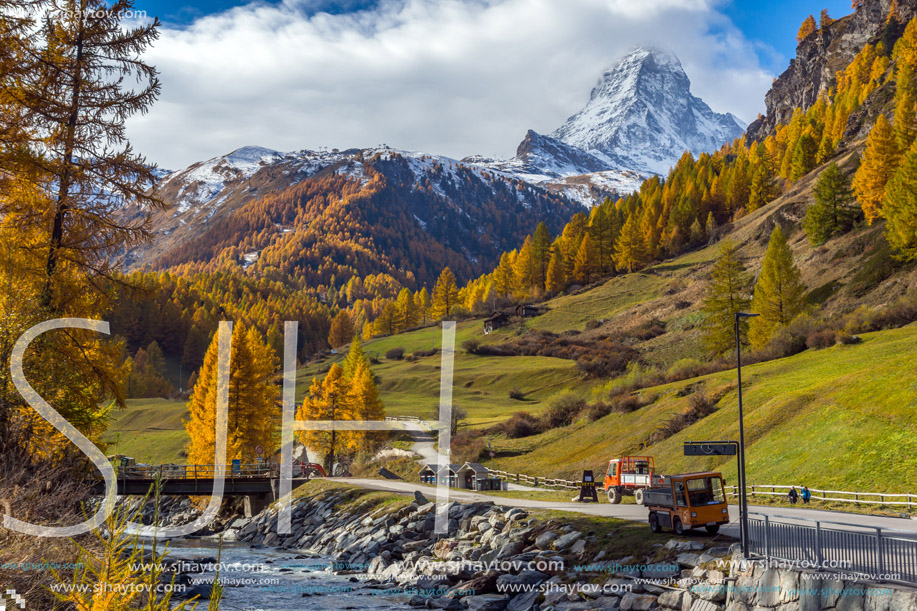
[527, 577]
[563, 542]
[543, 540]
[486, 602]
[637, 602]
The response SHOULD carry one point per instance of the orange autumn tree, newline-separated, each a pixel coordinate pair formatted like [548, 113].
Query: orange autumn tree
[341, 330]
[253, 411]
[346, 393]
[879, 163]
[808, 27]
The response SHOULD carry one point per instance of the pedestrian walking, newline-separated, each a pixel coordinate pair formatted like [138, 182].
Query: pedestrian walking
[793, 496]
[806, 495]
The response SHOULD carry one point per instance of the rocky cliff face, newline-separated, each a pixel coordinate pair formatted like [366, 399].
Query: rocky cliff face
[822, 54]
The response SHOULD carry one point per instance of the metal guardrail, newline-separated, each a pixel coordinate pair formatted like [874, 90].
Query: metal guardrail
[866, 498]
[877, 554]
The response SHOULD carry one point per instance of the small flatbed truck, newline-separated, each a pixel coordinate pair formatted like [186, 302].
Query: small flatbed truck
[688, 501]
[630, 475]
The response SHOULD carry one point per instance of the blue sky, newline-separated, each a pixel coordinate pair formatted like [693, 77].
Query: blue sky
[450, 77]
[774, 23]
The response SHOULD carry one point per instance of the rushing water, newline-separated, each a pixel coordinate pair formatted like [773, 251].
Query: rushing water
[276, 580]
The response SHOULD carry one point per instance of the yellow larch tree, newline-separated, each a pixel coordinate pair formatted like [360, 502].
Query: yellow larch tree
[808, 27]
[253, 412]
[879, 162]
[327, 400]
[445, 295]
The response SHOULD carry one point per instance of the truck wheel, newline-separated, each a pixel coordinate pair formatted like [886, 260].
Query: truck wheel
[638, 496]
[712, 528]
[614, 496]
[678, 527]
[654, 522]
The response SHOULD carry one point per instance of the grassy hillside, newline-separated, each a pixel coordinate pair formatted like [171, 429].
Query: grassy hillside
[149, 430]
[481, 384]
[841, 418]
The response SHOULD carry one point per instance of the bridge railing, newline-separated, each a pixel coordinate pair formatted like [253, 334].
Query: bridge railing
[172, 472]
[878, 554]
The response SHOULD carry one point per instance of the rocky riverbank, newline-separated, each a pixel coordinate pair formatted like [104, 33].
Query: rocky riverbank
[498, 558]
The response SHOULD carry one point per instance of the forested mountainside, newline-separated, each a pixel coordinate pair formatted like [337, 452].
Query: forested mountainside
[318, 217]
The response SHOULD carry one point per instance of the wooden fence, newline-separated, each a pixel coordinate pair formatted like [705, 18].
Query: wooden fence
[530, 480]
[840, 496]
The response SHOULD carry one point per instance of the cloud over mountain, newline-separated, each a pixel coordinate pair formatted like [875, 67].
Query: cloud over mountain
[454, 77]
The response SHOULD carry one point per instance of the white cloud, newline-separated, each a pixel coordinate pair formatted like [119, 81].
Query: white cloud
[454, 77]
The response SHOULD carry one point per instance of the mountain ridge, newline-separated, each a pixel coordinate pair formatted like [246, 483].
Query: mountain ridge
[366, 210]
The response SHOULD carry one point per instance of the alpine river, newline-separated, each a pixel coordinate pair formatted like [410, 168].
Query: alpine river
[268, 579]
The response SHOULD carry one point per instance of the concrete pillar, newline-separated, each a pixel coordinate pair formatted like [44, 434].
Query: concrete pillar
[256, 503]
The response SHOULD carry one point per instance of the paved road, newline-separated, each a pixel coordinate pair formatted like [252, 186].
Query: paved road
[848, 521]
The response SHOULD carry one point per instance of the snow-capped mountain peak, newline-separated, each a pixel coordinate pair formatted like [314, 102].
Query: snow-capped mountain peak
[642, 116]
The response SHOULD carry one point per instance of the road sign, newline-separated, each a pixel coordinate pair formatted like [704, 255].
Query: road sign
[259, 450]
[587, 493]
[711, 448]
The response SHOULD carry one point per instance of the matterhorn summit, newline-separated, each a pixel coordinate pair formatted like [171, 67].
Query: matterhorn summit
[641, 116]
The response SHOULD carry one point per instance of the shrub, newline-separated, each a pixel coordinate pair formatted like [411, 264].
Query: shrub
[597, 411]
[603, 366]
[701, 407]
[521, 424]
[897, 314]
[791, 339]
[593, 324]
[421, 353]
[821, 339]
[648, 330]
[395, 354]
[468, 446]
[624, 403]
[562, 411]
[701, 404]
[858, 321]
[636, 376]
[847, 339]
[683, 369]
[471, 346]
[517, 394]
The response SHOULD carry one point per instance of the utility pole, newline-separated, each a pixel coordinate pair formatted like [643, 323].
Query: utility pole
[743, 497]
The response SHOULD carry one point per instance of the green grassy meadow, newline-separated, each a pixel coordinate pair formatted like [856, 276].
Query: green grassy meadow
[149, 430]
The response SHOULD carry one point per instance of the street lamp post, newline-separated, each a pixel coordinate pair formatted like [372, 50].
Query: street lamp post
[743, 498]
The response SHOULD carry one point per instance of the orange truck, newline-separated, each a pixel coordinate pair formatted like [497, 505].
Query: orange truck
[688, 501]
[630, 475]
